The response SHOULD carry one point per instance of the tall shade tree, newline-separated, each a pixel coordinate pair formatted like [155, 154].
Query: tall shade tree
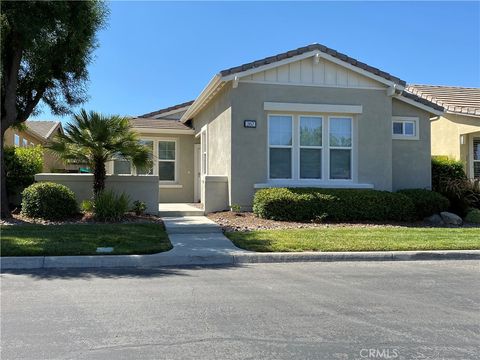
[95, 139]
[46, 47]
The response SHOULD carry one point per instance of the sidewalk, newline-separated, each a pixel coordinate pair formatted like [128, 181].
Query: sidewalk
[197, 240]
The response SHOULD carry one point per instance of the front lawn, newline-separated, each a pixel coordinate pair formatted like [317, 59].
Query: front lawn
[358, 239]
[40, 240]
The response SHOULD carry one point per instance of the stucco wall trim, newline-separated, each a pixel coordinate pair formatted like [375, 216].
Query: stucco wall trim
[328, 108]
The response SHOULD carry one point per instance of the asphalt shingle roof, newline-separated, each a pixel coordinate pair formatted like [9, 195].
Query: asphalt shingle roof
[150, 123]
[454, 99]
[42, 128]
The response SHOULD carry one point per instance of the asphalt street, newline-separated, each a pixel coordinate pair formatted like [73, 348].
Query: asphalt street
[343, 310]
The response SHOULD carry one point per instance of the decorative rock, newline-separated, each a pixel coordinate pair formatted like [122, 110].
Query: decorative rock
[450, 218]
[435, 219]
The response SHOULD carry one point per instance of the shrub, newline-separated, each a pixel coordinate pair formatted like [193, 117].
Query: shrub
[426, 202]
[49, 201]
[139, 207]
[310, 204]
[109, 206]
[21, 165]
[473, 216]
[444, 168]
[87, 206]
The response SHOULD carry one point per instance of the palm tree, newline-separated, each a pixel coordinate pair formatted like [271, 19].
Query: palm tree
[94, 139]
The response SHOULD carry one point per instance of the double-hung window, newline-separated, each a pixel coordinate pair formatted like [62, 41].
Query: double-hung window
[167, 156]
[405, 128]
[121, 166]
[149, 170]
[340, 147]
[280, 135]
[16, 140]
[311, 147]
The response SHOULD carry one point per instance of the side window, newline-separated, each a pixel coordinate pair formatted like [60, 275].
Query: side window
[405, 128]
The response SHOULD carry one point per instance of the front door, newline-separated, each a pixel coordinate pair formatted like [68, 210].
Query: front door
[197, 174]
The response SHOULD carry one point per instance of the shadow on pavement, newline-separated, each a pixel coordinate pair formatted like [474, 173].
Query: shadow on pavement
[113, 273]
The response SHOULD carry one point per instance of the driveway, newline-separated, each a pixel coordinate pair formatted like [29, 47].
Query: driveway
[349, 310]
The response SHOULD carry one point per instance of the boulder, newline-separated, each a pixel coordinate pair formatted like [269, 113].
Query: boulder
[450, 218]
[435, 219]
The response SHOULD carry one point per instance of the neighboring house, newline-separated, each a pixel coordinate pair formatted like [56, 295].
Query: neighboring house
[457, 132]
[37, 133]
[307, 117]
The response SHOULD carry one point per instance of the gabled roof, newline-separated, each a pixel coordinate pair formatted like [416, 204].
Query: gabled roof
[170, 109]
[158, 124]
[305, 49]
[454, 99]
[44, 129]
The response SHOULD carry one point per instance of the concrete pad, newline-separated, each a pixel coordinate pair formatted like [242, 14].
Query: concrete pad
[178, 210]
[23, 262]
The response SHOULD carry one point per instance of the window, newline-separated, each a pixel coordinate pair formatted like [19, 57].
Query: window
[203, 144]
[149, 145]
[16, 140]
[340, 147]
[405, 128]
[280, 135]
[476, 157]
[32, 144]
[310, 147]
[122, 167]
[24, 142]
[166, 160]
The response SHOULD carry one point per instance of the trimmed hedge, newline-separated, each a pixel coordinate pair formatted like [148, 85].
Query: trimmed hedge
[426, 202]
[21, 165]
[49, 201]
[309, 204]
[445, 168]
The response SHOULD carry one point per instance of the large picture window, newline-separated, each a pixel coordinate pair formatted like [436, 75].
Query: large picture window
[149, 145]
[166, 160]
[280, 134]
[340, 146]
[310, 147]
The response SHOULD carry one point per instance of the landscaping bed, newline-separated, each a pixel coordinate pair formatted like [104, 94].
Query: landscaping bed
[138, 237]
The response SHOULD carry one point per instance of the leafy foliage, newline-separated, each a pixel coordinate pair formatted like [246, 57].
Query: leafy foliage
[449, 179]
[109, 206]
[426, 202]
[312, 204]
[21, 165]
[95, 139]
[473, 216]
[87, 206]
[139, 207]
[49, 201]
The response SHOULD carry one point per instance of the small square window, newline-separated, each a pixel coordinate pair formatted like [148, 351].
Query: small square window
[405, 128]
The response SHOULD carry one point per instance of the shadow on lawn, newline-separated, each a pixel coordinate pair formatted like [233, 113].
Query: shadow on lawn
[113, 273]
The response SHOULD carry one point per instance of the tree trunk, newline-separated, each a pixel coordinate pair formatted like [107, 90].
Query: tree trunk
[5, 208]
[99, 176]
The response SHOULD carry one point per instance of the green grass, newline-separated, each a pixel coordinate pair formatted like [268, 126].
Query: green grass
[38, 240]
[358, 239]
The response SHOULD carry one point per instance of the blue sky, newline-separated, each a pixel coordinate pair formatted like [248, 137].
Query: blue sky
[157, 54]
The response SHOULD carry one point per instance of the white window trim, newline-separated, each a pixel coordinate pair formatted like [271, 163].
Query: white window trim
[292, 147]
[15, 138]
[203, 150]
[471, 156]
[24, 142]
[327, 156]
[175, 161]
[406, 119]
[325, 179]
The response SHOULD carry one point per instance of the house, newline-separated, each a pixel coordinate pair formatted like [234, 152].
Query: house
[310, 117]
[36, 133]
[456, 133]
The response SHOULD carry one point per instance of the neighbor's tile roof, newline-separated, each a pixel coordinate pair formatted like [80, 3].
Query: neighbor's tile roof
[304, 49]
[150, 123]
[170, 108]
[453, 99]
[42, 128]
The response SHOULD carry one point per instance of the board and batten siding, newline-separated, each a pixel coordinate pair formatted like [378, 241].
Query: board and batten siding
[309, 72]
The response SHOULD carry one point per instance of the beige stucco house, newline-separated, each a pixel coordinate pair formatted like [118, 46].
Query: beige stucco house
[456, 133]
[310, 117]
[36, 133]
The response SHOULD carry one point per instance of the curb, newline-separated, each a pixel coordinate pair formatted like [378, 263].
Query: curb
[233, 258]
